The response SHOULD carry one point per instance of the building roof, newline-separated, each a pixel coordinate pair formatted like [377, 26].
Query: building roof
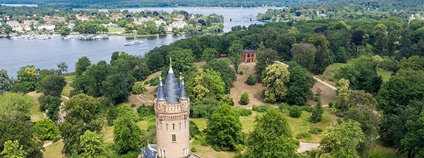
[172, 92]
[249, 51]
[150, 151]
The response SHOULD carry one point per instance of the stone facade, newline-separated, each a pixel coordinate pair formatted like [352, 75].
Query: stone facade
[249, 56]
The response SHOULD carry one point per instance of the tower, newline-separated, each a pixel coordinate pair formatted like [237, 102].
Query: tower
[172, 109]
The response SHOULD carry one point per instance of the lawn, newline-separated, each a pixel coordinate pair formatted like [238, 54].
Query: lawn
[54, 150]
[115, 30]
[208, 152]
[67, 89]
[35, 112]
[107, 131]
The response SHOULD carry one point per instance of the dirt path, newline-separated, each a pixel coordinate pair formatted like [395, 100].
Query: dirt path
[325, 83]
[307, 147]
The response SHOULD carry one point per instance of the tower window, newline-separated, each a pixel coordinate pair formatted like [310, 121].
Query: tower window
[166, 126]
[173, 126]
[180, 125]
[174, 138]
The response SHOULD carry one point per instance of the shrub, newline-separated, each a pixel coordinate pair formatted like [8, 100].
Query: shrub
[240, 73]
[317, 113]
[307, 108]
[144, 110]
[304, 135]
[193, 149]
[55, 139]
[250, 80]
[228, 99]
[262, 108]
[243, 111]
[154, 81]
[255, 107]
[244, 99]
[138, 88]
[330, 104]
[315, 130]
[284, 107]
[46, 129]
[295, 111]
[389, 65]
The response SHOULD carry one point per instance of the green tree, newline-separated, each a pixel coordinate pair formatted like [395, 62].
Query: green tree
[228, 99]
[12, 149]
[244, 99]
[381, 39]
[52, 85]
[223, 67]
[250, 80]
[271, 137]
[139, 88]
[304, 55]
[82, 114]
[46, 129]
[264, 58]
[91, 145]
[224, 130]
[15, 123]
[182, 60]
[342, 140]
[82, 64]
[317, 112]
[295, 111]
[208, 54]
[275, 78]
[26, 79]
[299, 85]
[234, 54]
[322, 57]
[5, 81]
[62, 67]
[205, 84]
[126, 135]
[117, 86]
[414, 138]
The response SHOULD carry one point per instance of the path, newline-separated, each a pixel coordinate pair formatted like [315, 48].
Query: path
[307, 147]
[325, 83]
[62, 115]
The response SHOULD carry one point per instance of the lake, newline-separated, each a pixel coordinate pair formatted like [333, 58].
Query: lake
[45, 54]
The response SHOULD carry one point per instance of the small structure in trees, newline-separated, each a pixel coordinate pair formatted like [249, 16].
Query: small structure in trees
[249, 56]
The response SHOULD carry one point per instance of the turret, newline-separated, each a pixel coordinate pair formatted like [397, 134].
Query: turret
[160, 93]
[171, 87]
[183, 93]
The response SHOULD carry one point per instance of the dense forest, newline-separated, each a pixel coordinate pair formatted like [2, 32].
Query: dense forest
[370, 110]
[150, 3]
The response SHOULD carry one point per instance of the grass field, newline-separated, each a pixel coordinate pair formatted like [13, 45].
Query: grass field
[115, 30]
[54, 150]
[67, 89]
[36, 114]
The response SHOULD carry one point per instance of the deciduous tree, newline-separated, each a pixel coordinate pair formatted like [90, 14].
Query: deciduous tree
[92, 145]
[126, 135]
[12, 149]
[5, 81]
[275, 79]
[223, 67]
[234, 54]
[52, 85]
[208, 54]
[81, 65]
[304, 55]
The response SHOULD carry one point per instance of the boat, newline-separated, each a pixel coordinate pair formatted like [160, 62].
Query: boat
[127, 44]
[163, 43]
[136, 42]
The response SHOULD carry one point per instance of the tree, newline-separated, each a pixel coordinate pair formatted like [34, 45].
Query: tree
[228, 99]
[234, 54]
[81, 65]
[15, 123]
[12, 149]
[342, 140]
[52, 85]
[381, 39]
[62, 67]
[250, 80]
[223, 67]
[304, 55]
[126, 135]
[265, 57]
[5, 81]
[205, 84]
[275, 78]
[139, 88]
[92, 145]
[182, 60]
[82, 114]
[317, 112]
[46, 129]
[26, 79]
[244, 99]
[224, 130]
[117, 86]
[413, 139]
[295, 111]
[208, 54]
[322, 57]
[271, 137]
[299, 85]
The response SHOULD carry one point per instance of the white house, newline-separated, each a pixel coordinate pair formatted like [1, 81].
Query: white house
[178, 24]
[48, 27]
[13, 23]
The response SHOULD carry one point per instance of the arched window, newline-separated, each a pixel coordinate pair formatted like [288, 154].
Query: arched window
[180, 125]
[173, 126]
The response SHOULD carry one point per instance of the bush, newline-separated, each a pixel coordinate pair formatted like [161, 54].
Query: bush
[46, 129]
[144, 110]
[228, 99]
[250, 80]
[154, 81]
[261, 108]
[317, 113]
[304, 135]
[55, 139]
[284, 107]
[307, 108]
[240, 73]
[243, 111]
[244, 99]
[315, 130]
[138, 88]
[193, 149]
[330, 104]
[389, 65]
[295, 111]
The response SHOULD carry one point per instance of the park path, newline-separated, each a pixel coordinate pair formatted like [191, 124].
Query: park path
[325, 83]
[307, 147]
[62, 115]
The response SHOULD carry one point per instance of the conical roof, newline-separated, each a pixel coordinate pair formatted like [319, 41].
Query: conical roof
[160, 93]
[171, 87]
[183, 93]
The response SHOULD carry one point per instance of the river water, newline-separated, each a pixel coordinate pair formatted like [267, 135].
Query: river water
[45, 54]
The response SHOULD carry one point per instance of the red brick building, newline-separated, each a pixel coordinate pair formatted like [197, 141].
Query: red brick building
[249, 56]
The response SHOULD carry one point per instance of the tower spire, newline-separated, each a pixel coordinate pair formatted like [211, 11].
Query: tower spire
[160, 92]
[183, 94]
